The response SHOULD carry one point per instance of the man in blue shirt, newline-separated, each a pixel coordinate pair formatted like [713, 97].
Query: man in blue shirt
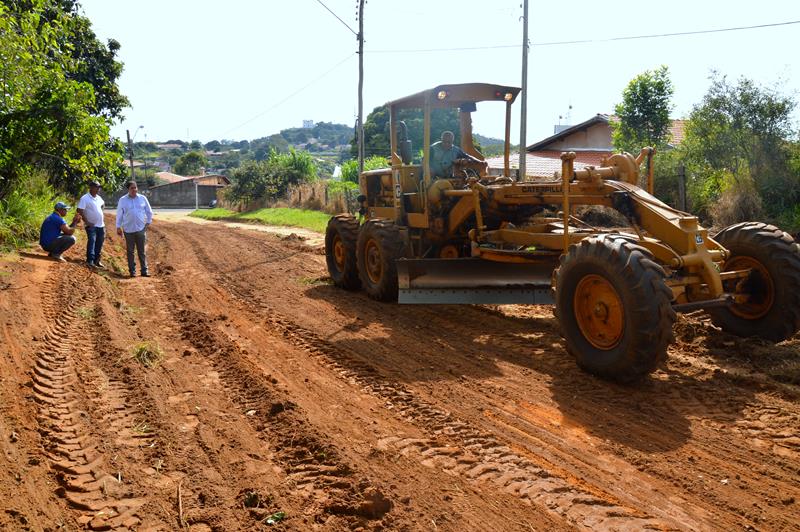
[56, 236]
[444, 154]
[134, 215]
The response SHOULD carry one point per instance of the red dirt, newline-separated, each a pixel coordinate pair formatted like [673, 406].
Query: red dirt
[276, 392]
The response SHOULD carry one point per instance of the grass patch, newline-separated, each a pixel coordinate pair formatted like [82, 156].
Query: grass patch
[313, 220]
[313, 281]
[130, 309]
[142, 428]
[23, 210]
[86, 313]
[147, 354]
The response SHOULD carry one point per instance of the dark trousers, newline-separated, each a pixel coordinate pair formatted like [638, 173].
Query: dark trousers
[95, 236]
[136, 240]
[59, 245]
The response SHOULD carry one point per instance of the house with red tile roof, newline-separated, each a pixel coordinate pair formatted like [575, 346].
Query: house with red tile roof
[590, 140]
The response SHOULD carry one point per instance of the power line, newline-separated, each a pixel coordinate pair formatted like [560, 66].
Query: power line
[420, 50]
[337, 17]
[295, 93]
[589, 41]
[676, 34]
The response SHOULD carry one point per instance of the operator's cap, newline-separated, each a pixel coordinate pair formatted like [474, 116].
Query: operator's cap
[61, 205]
[94, 184]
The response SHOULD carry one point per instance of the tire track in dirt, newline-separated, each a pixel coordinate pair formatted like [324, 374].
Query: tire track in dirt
[315, 469]
[204, 461]
[76, 401]
[455, 446]
[737, 440]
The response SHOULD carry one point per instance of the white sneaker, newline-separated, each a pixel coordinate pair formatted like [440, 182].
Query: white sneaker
[59, 258]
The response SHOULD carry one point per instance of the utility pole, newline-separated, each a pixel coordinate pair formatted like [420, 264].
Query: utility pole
[360, 86]
[130, 151]
[524, 112]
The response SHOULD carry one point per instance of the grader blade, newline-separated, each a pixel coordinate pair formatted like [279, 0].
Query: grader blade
[474, 281]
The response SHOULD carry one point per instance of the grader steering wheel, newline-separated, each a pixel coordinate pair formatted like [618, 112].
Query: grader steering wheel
[469, 168]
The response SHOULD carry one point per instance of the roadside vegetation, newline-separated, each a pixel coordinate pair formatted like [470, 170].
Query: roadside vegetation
[740, 155]
[60, 97]
[270, 179]
[22, 211]
[307, 219]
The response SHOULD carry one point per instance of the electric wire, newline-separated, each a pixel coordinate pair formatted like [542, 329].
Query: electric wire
[295, 93]
[589, 41]
[337, 18]
[675, 34]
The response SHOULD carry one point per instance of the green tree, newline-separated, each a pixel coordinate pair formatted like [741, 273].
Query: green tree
[214, 145]
[92, 61]
[740, 137]
[376, 129]
[270, 179]
[251, 181]
[644, 112]
[191, 163]
[49, 120]
[294, 167]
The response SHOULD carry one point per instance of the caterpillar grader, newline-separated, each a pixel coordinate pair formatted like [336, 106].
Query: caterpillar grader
[483, 236]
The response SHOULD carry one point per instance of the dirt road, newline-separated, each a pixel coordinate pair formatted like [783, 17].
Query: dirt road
[264, 398]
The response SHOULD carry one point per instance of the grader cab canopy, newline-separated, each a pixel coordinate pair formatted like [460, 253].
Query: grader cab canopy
[465, 98]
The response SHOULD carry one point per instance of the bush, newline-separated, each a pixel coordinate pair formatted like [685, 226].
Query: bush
[350, 168]
[23, 210]
[739, 202]
[271, 178]
[789, 220]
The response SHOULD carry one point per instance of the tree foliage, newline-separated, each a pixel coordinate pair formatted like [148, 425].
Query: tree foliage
[51, 117]
[644, 112]
[191, 163]
[350, 168]
[376, 129]
[270, 178]
[741, 136]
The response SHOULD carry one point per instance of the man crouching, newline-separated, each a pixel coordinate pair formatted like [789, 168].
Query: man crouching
[56, 236]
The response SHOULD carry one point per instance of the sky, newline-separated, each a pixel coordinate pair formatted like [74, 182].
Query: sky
[247, 69]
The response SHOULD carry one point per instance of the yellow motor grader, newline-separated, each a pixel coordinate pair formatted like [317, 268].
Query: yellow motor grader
[482, 236]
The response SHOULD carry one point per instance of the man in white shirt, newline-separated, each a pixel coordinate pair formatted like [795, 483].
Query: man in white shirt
[90, 207]
[134, 215]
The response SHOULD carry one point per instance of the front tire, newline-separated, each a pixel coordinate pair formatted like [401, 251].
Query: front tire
[380, 244]
[614, 308]
[341, 238]
[772, 310]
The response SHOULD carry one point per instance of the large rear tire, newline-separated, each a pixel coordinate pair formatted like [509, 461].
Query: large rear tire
[341, 238]
[772, 310]
[380, 244]
[614, 308]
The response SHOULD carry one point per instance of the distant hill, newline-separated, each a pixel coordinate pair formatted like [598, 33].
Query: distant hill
[487, 141]
[323, 133]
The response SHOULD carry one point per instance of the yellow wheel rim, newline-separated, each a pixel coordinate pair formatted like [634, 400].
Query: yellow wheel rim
[338, 253]
[599, 312]
[374, 261]
[758, 286]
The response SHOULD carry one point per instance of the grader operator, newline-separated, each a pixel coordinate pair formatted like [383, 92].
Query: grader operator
[479, 238]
